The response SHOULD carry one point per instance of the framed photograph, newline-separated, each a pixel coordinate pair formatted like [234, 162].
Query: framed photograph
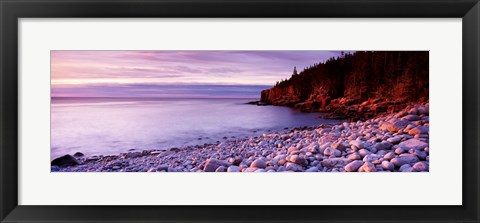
[239, 111]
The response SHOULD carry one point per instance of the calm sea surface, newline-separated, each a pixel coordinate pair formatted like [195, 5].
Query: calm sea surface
[97, 126]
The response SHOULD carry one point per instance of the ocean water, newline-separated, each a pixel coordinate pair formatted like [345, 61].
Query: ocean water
[102, 126]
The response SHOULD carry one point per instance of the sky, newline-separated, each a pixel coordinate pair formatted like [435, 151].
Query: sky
[182, 74]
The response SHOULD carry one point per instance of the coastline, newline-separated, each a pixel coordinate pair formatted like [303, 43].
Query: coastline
[397, 142]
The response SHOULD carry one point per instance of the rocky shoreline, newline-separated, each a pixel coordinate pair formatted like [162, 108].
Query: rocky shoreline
[397, 142]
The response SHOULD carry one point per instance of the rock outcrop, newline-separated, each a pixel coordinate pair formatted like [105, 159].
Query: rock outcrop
[356, 86]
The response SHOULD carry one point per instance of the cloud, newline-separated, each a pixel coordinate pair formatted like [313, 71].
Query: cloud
[183, 67]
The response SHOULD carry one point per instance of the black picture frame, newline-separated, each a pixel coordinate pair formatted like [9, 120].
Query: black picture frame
[12, 10]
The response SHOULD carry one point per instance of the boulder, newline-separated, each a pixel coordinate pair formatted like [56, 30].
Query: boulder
[78, 154]
[66, 160]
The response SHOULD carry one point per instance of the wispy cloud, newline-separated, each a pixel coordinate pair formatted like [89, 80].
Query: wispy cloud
[154, 68]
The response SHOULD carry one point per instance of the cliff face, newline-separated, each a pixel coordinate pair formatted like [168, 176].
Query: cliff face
[363, 83]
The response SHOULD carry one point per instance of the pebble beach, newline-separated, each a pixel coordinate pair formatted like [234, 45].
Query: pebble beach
[397, 142]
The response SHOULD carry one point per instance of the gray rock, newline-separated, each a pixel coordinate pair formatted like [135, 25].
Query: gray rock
[413, 144]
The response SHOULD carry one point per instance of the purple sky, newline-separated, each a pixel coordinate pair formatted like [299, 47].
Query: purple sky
[174, 73]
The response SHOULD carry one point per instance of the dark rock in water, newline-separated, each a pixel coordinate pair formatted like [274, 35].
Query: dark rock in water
[174, 149]
[66, 160]
[78, 154]
[259, 103]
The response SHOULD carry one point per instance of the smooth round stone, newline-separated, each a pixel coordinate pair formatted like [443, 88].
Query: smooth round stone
[291, 149]
[220, 169]
[405, 166]
[293, 167]
[353, 166]
[400, 150]
[387, 165]
[412, 158]
[382, 146]
[394, 140]
[297, 159]
[258, 163]
[354, 156]
[412, 117]
[399, 161]
[312, 169]
[420, 166]
[369, 167]
[389, 156]
[357, 143]
[418, 130]
[363, 152]
[382, 152]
